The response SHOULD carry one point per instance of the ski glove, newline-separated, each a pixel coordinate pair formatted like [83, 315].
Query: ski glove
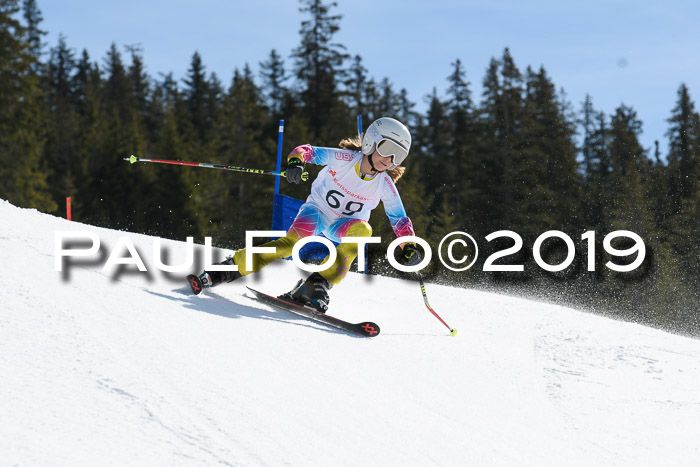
[295, 168]
[410, 256]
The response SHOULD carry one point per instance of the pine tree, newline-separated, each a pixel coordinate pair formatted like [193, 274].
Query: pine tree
[466, 164]
[682, 226]
[628, 207]
[389, 104]
[587, 124]
[596, 166]
[21, 119]
[196, 96]
[273, 83]
[501, 116]
[550, 158]
[683, 185]
[62, 129]
[241, 201]
[91, 134]
[141, 90]
[195, 110]
[684, 147]
[458, 91]
[87, 74]
[355, 85]
[121, 187]
[173, 204]
[370, 101]
[215, 98]
[630, 169]
[406, 113]
[33, 18]
[511, 114]
[319, 70]
[439, 178]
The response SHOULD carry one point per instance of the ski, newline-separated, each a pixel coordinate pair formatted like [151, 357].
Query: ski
[195, 284]
[364, 329]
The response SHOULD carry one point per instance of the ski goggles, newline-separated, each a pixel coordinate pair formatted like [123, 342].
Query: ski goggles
[389, 148]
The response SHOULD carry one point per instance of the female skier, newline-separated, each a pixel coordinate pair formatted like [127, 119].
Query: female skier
[353, 181]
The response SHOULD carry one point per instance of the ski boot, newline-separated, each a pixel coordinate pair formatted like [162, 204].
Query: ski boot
[312, 292]
[213, 278]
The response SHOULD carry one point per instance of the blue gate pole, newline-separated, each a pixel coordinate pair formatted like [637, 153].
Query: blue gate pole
[359, 127]
[359, 133]
[279, 155]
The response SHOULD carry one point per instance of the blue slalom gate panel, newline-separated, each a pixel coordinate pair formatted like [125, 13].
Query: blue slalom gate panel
[284, 210]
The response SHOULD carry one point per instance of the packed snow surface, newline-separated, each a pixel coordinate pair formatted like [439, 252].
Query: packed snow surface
[121, 367]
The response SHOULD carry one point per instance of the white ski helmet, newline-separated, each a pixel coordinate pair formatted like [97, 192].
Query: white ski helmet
[389, 137]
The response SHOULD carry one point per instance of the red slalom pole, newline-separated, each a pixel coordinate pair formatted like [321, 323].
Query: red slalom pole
[68, 210]
[453, 331]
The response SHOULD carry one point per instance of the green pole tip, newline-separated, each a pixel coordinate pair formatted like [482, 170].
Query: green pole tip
[133, 159]
[453, 332]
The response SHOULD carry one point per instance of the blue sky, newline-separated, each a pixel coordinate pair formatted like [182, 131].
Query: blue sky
[619, 51]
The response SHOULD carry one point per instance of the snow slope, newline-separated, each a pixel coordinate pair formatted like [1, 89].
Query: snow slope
[105, 368]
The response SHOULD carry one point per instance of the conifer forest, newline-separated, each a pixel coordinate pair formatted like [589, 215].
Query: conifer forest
[518, 157]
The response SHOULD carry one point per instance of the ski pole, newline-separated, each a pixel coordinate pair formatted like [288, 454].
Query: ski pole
[133, 159]
[453, 331]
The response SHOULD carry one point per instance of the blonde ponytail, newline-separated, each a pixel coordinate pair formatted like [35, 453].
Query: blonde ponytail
[353, 144]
